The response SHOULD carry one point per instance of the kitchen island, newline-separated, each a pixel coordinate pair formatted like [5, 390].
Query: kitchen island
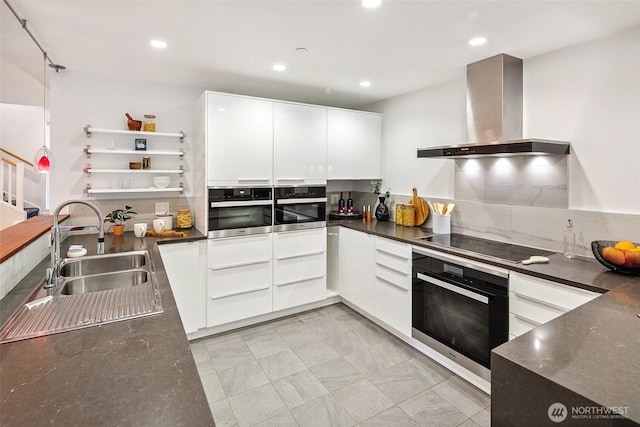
[133, 372]
[587, 359]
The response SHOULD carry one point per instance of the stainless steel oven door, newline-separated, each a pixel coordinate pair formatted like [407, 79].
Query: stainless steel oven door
[298, 214]
[240, 218]
[460, 309]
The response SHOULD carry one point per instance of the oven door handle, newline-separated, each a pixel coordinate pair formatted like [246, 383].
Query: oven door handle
[301, 201]
[237, 204]
[458, 290]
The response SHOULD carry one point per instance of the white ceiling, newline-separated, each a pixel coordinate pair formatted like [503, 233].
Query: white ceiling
[231, 45]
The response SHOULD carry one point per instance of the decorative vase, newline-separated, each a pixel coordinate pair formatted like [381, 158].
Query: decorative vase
[382, 211]
[118, 230]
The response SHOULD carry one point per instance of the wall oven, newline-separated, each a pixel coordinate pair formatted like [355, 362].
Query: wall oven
[240, 211]
[460, 308]
[300, 207]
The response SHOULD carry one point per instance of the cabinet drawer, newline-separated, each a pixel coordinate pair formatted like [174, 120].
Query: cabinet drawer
[519, 325]
[238, 307]
[295, 269]
[556, 294]
[303, 291]
[296, 243]
[238, 251]
[225, 282]
[400, 250]
[393, 305]
[532, 309]
[391, 274]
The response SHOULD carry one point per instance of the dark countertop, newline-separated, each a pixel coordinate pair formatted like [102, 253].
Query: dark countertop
[588, 357]
[134, 372]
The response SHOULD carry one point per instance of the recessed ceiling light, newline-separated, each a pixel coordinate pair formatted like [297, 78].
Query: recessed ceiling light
[302, 50]
[279, 67]
[370, 4]
[478, 41]
[365, 83]
[158, 43]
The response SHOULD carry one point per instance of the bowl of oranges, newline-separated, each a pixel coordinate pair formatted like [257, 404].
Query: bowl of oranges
[622, 256]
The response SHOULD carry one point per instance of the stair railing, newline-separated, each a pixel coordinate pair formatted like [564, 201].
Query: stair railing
[11, 172]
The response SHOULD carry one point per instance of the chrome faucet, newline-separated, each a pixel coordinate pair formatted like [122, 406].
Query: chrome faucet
[53, 273]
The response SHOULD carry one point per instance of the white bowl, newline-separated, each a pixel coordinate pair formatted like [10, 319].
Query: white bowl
[161, 181]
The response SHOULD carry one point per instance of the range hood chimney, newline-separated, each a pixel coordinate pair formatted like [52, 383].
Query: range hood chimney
[494, 115]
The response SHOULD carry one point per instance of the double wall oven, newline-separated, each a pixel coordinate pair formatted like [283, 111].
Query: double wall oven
[238, 211]
[460, 308]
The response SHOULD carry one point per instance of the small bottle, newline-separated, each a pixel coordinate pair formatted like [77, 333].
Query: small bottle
[368, 213]
[364, 213]
[569, 241]
[349, 204]
[341, 204]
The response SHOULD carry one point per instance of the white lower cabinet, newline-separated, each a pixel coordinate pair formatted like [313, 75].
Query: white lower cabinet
[355, 272]
[184, 264]
[534, 301]
[300, 265]
[392, 285]
[239, 273]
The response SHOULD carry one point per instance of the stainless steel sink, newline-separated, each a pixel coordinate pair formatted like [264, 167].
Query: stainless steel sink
[103, 282]
[98, 264]
[93, 290]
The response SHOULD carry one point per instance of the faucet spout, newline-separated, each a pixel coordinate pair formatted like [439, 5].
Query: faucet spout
[54, 277]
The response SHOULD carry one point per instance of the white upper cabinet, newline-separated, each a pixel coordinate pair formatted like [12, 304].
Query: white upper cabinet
[239, 140]
[353, 144]
[299, 144]
[368, 136]
[341, 144]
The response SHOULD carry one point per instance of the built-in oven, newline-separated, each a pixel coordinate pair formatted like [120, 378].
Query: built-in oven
[300, 207]
[240, 211]
[460, 308]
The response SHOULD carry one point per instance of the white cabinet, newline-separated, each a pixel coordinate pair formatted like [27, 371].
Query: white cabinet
[299, 272]
[239, 272]
[299, 144]
[185, 267]
[239, 138]
[353, 144]
[392, 285]
[356, 271]
[534, 301]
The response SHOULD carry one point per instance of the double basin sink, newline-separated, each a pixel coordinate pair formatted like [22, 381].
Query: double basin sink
[92, 290]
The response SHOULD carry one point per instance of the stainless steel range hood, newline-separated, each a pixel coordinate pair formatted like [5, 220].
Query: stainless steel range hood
[494, 115]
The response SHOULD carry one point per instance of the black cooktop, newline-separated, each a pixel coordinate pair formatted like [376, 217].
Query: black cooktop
[506, 251]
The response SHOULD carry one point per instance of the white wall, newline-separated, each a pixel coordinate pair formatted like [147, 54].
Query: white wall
[430, 117]
[588, 94]
[79, 99]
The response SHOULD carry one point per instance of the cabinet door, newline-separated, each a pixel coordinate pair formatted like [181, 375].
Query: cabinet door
[393, 284]
[368, 145]
[239, 140]
[340, 144]
[185, 267]
[356, 268]
[300, 144]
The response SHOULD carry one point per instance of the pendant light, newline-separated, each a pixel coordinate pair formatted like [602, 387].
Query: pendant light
[43, 158]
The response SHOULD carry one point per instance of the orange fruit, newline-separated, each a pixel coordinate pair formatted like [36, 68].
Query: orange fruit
[614, 256]
[624, 244]
[632, 258]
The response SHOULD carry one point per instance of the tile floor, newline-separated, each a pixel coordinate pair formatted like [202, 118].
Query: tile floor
[330, 367]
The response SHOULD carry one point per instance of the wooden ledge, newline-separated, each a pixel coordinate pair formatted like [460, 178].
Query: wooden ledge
[15, 238]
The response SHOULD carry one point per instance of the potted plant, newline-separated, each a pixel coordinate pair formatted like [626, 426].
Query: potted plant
[382, 211]
[118, 217]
